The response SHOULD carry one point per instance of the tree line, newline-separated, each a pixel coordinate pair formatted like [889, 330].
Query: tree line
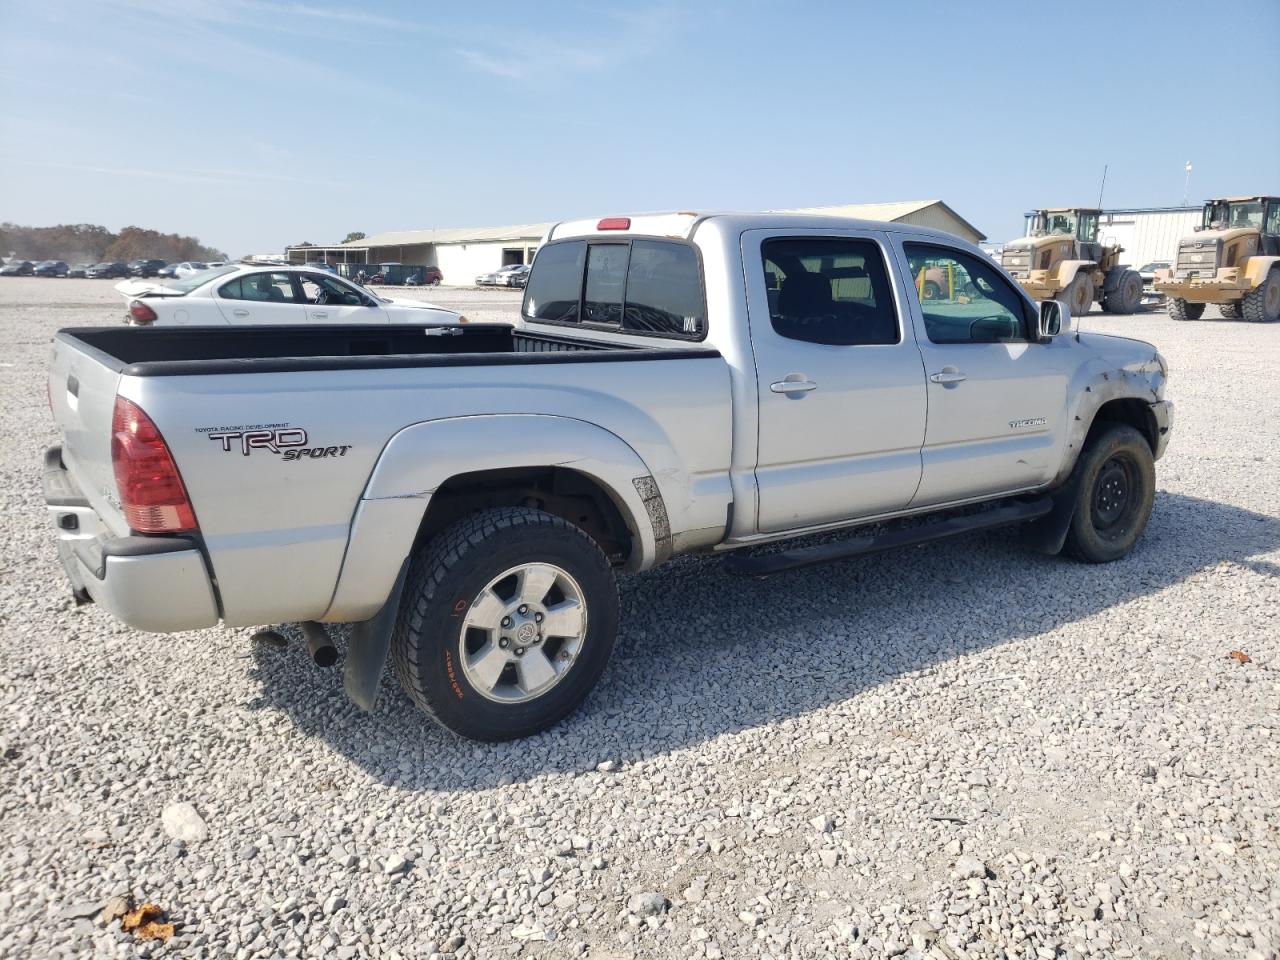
[89, 242]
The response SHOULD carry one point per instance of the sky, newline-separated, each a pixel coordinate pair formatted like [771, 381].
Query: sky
[256, 123]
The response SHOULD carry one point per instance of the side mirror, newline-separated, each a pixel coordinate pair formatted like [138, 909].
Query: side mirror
[1054, 318]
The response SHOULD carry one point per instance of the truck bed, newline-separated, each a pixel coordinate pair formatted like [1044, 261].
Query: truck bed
[165, 351]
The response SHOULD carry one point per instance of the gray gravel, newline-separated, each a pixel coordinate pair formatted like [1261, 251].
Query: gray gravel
[961, 751]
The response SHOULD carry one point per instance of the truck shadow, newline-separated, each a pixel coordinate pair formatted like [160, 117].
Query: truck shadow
[702, 653]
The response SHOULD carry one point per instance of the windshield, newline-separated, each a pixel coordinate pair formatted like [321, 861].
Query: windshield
[1243, 213]
[1060, 224]
[187, 284]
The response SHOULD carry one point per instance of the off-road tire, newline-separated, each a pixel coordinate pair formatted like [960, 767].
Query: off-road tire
[1078, 295]
[932, 291]
[1180, 309]
[444, 578]
[1126, 295]
[1262, 304]
[1231, 310]
[1113, 454]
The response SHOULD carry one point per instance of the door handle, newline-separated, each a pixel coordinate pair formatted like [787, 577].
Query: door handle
[948, 375]
[319, 314]
[240, 313]
[793, 386]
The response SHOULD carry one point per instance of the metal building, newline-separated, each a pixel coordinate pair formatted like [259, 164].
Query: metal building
[465, 253]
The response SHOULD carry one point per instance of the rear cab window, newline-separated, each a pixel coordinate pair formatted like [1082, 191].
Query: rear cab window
[639, 285]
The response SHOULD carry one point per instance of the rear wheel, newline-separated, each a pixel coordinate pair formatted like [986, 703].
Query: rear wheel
[932, 291]
[1230, 310]
[1125, 295]
[1180, 309]
[1262, 305]
[1115, 490]
[1078, 295]
[508, 620]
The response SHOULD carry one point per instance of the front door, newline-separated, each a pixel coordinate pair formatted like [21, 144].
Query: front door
[840, 387]
[997, 397]
[329, 300]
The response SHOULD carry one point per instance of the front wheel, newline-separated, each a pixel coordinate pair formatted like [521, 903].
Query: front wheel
[1078, 295]
[1180, 309]
[1262, 304]
[508, 620]
[1115, 490]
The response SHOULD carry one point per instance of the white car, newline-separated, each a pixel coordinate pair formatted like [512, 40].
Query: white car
[258, 295]
[189, 268]
[500, 278]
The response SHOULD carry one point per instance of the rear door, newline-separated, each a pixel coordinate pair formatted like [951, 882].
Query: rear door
[330, 300]
[997, 397]
[259, 298]
[840, 385]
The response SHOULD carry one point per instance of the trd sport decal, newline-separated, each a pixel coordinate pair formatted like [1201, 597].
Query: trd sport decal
[286, 442]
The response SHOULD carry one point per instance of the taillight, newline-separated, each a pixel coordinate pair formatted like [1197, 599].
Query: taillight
[151, 490]
[139, 312]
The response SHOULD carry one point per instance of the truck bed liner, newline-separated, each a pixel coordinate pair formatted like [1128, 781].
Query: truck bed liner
[166, 351]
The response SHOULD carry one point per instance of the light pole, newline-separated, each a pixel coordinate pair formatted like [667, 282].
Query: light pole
[1186, 187]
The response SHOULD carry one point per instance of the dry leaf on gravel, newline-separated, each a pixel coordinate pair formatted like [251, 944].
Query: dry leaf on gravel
[143, 923]
[1239, 656]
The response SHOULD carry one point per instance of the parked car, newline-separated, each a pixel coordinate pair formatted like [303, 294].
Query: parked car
[168, 271]
[519, 277]
[79, 270]
[51, 268]
[427, 277]
[1148, 272]
[248, 294]
[17, 268]
[101, 271]
[499, 278]
[464, 495]
[189, 268]
[145, 267]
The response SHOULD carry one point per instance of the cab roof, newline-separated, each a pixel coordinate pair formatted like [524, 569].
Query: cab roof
[1239, 199]
[1068, 210]
[682, 225]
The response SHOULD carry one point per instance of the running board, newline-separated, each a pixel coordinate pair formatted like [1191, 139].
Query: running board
[764, 565]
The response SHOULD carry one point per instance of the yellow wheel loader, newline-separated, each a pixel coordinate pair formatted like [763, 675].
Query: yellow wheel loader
[1061, 259]
[1233, 260]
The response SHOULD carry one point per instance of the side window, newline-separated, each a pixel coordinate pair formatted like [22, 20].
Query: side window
[321, 290]
[555, 285]
[829, 290]
[664, 289]
[606, 277]
[263, 287]
[963, 299]
[1273, 219]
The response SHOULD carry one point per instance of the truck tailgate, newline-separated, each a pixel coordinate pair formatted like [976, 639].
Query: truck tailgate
[82, 391]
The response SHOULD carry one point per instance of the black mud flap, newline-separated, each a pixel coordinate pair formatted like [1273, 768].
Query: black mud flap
[368, 647]
[1048, 534]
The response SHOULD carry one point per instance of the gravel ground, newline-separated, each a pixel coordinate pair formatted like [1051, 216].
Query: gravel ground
[959, 751]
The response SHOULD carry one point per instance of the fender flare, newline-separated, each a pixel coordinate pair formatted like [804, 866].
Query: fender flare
[1257, 268]
[421, 458]
[1066, 271]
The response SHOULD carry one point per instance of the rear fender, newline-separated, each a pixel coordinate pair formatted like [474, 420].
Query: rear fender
[420, 459]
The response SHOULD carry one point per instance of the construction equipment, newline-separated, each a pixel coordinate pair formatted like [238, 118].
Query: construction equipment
[1233, 260]
[1062, 259]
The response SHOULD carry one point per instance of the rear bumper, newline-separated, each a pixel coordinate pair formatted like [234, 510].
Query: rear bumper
[1163, 412]
[157, 584]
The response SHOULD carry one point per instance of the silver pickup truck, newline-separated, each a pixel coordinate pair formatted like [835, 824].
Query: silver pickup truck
[465, 495]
